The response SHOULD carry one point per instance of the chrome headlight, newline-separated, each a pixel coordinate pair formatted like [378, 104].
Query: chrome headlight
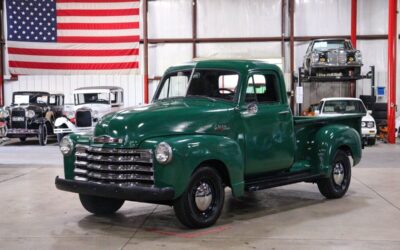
[4, 113]
[163, 153]
[370, 124]
[363, 124]
[358, 56]
[66, 146]
[314, 57]
[30, 113]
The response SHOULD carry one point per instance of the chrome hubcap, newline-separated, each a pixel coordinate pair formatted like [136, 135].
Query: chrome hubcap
[338, 173]
[203, 196]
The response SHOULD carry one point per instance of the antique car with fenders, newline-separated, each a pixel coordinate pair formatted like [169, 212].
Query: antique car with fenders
[212, 124]
[332, 56]
[90, 104]
[32, 114]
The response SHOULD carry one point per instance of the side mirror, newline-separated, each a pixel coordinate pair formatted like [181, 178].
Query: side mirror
[252, 108]
[369, 112]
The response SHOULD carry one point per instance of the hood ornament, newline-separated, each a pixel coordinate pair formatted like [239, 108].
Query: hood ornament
[107, 139]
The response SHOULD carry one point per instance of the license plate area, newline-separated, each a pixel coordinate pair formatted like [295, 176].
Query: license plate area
[18, 119]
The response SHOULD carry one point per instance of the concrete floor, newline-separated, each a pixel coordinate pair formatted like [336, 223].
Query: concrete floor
[35, 215]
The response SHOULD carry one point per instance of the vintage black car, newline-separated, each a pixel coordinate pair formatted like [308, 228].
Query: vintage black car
[32, 114]
[332, 56]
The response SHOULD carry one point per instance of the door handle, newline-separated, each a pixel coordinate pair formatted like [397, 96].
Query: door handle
[284, 112]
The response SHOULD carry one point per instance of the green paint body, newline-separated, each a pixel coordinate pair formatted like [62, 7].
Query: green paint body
[249, 145]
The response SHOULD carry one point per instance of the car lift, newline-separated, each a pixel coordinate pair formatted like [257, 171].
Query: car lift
[333, 78]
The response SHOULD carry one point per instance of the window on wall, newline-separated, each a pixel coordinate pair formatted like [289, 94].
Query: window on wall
[262, 88]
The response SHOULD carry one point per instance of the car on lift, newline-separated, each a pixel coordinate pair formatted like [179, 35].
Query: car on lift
[90, 104]
[212, 124]
[346, 106]
[332, 56]
[32, 114]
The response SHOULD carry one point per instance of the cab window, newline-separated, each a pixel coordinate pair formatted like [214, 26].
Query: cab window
[262, 88]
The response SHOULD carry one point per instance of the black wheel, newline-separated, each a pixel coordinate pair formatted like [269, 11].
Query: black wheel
[337, 184]
[379, 114]
[22, 139]
[59, 137]
[371, 141]
[100, 205]
[312, 72]
[42, 134]
[380, 106]
[201, 204]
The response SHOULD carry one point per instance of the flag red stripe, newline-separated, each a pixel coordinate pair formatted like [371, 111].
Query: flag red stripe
[95, 1]
[74, 66]
[97, 26]
[98, 39]
[68, 52]
[116, 12]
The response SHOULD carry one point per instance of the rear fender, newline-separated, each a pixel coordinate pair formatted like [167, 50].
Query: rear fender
[328, 140]
[189, 152]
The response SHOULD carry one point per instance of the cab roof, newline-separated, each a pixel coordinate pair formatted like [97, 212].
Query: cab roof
[229, 64]
[31, 92]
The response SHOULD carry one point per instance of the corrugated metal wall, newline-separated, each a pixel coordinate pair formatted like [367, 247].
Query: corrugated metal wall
[239, 18]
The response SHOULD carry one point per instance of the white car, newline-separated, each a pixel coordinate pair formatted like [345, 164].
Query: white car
[90, 104]
[344, 105]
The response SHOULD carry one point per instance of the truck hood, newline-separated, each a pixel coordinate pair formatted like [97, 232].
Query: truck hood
[166, 118]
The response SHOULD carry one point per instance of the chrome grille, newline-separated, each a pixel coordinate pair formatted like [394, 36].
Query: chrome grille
[342, 57]
[125, 167]
[18, 119]
[332, 57]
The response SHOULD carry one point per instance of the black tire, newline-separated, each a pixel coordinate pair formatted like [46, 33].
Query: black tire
[380, 106]
[42, 134]
[312, 72]
[22, 139]
[329, 187]
[379, 115]
[371, 141]
[204, 181]
[100, 205]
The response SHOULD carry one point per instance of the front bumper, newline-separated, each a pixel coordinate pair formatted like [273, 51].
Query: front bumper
[73, 130]
[21, 132]
[134, 193]
[335, 66]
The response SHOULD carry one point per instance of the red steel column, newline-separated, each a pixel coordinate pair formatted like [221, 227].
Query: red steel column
[353, 36]
[354, 23]
[291, 42]
[392, 50]
[145, 55]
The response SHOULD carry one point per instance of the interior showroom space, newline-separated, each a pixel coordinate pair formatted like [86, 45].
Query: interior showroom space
[199, 124]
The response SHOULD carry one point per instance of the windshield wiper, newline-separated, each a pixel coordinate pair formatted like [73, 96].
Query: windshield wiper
[203, 96]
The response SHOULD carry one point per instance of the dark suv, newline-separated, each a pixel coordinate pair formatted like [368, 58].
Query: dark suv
[32, 114]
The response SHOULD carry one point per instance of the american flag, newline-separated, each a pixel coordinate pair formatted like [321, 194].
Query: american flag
[73, 36]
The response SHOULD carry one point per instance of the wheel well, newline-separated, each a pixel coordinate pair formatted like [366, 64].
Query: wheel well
[348, 151]
[220, 167]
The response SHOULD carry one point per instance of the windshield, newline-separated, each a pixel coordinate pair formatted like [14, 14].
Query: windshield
[30, 99]
[344, 107]
[327, 45]
[85, 98]
[208, 83]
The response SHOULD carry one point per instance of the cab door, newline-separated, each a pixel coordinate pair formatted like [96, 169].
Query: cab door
[268, 124]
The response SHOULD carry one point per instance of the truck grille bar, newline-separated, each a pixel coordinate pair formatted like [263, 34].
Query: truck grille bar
[124, 167]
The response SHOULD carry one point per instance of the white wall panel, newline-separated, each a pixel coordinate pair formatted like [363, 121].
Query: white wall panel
[239, 18]
[170, 19]
[162, 56]
[257, 50]
[132, 85]
[322, 18]
[372, 17]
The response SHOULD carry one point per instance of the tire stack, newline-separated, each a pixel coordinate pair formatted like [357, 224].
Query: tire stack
[369, 101]
[379, 112]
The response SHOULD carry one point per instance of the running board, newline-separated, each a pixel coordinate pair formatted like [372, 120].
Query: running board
[279, 180]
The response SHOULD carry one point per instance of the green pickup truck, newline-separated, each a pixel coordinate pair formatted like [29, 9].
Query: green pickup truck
[212, 124]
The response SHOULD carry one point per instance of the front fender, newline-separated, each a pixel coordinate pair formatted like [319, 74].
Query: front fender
[63, 121]
[329, 139]
[189, 151]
